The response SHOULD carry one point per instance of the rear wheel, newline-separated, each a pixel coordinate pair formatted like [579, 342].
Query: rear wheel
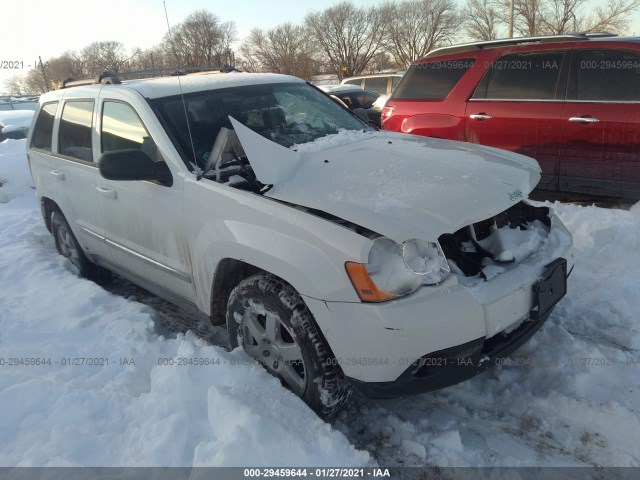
[269, 319]
[68, 247]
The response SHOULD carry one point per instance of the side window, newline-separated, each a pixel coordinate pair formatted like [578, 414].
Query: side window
[394, 82]
[74, 136]
[605, 75]
[522, 76]
[376, 84]
[43, 131]
[433, 80]
[122, 129]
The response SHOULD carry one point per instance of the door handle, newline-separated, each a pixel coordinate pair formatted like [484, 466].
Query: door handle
[584, 120]
[480, 116]
[58, 174]
[107, 192]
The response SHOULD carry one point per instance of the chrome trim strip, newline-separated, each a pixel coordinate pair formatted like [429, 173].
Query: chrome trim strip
[91, 232]
[538, 100]
[630, 102]
[180, 275]
[541, 100]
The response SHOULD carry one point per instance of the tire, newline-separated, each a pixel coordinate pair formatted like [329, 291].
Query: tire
[269, 319]
[68, 247]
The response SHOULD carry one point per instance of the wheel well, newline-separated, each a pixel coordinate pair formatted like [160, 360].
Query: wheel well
[229, 273]
[48, 206]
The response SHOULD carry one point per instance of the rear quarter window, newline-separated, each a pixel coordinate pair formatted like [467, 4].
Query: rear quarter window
[432, 80]
[43, 130]
[605, 75]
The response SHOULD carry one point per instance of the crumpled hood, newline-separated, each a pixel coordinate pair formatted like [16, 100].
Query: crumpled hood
[400, 186]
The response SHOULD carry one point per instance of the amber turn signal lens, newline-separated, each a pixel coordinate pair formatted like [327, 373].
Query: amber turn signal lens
[367, 290]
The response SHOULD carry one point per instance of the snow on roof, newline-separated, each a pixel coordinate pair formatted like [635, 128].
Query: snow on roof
[161, 87]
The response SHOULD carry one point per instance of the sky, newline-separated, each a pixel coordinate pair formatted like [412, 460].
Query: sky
[47, 29]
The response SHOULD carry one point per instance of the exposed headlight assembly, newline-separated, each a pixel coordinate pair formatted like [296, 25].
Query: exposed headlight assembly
[394, 269]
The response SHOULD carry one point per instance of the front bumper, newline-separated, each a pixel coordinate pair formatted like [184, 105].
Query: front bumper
[387, 348]
[454, 365]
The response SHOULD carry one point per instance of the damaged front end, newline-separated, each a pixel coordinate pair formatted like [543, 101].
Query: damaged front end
[515, 267]
[489, 247]
[515, 264]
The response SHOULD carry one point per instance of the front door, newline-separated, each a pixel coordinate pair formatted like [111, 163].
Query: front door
[144, 220]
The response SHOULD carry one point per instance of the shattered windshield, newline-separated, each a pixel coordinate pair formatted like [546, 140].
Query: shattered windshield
[288, 114]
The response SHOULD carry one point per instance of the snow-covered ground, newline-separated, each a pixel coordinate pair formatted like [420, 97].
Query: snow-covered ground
[570, 397]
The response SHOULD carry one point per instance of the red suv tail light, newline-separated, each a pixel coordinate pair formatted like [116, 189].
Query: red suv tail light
[387, 112]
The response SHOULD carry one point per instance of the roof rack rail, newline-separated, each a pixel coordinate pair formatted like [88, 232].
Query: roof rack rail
[599, 34]
[114, 78]
[104, 77]
[463, 47]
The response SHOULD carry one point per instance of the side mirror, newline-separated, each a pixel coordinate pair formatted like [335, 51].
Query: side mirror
[133, 165]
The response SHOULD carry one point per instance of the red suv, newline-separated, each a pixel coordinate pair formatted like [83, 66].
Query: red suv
[572, 102]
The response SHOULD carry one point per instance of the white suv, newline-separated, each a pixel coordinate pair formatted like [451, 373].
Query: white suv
[337, 255]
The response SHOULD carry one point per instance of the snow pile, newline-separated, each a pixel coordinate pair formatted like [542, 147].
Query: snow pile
[605, 302]
[12, 120]
[87, 380]
[14, 174]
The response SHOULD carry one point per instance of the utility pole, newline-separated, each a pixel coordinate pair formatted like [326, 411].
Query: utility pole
[511, 18]
[44, 76]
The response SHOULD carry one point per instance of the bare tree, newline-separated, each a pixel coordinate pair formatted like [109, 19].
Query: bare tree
[560, 17]
[98, 57]
[15, 85]
[248, 60]
[283, 49]
[613, 17]
[548, 17]
[383, 61]
[528, 15]
[482, 20]
[149, 59]
[67, 65]
[416, 27]
[348, 36]
[202, 39]
[33, 83]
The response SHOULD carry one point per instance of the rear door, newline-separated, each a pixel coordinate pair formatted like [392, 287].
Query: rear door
[601, 123]
[518, 106]
[64, 166]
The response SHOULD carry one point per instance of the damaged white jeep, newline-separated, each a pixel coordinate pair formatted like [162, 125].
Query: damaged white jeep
[337, 255]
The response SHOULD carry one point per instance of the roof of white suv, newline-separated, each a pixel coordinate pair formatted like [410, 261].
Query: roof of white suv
[167, 86]
[162, 87]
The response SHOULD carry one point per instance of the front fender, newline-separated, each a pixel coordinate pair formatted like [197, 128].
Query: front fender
[306, 251]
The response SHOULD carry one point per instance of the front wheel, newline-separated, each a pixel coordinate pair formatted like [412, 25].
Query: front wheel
[269, 319]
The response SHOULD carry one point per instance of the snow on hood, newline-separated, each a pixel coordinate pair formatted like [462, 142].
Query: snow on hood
[401, 186]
